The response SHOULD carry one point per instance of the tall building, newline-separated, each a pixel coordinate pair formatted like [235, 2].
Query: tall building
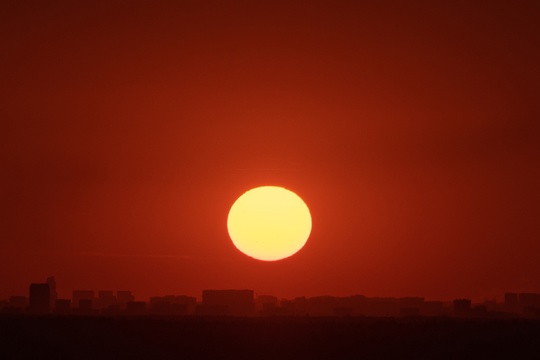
[40, 299]
[52, 286]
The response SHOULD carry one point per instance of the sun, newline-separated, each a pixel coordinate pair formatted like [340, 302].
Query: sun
[269, 223]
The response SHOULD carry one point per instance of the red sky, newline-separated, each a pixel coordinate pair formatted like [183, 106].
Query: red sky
[410, 129]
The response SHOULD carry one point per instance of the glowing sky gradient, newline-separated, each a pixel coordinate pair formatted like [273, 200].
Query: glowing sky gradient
[411, 129]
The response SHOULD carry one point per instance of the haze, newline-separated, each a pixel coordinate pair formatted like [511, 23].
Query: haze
[411, 131]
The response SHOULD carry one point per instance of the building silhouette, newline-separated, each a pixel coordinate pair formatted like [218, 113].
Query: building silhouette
[105, 299]
[227, 302]
[18, 301]
[462, 307]
[529, 300]
[529, 303]
[39, 299]
[80, 295]
[267, 305]
[123, 297]
[52, 286]
[173, 305]
[15, 305]
[241, 302]
[62, 306]
[510, 299]
[136, 307]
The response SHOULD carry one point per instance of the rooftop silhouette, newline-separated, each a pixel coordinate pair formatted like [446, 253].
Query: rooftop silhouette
[42, 300]
[238, 323]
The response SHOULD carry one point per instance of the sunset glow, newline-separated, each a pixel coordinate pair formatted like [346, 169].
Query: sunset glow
[269, 223]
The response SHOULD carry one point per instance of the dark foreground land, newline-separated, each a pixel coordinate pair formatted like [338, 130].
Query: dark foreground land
[267, 338]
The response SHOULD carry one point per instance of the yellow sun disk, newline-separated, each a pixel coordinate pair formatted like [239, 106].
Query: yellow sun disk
[269, 223]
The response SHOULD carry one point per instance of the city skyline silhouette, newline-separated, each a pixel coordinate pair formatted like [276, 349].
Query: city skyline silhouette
[240, 324]
[43, 299]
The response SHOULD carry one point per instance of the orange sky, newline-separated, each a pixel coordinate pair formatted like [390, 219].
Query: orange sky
[411, 131]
